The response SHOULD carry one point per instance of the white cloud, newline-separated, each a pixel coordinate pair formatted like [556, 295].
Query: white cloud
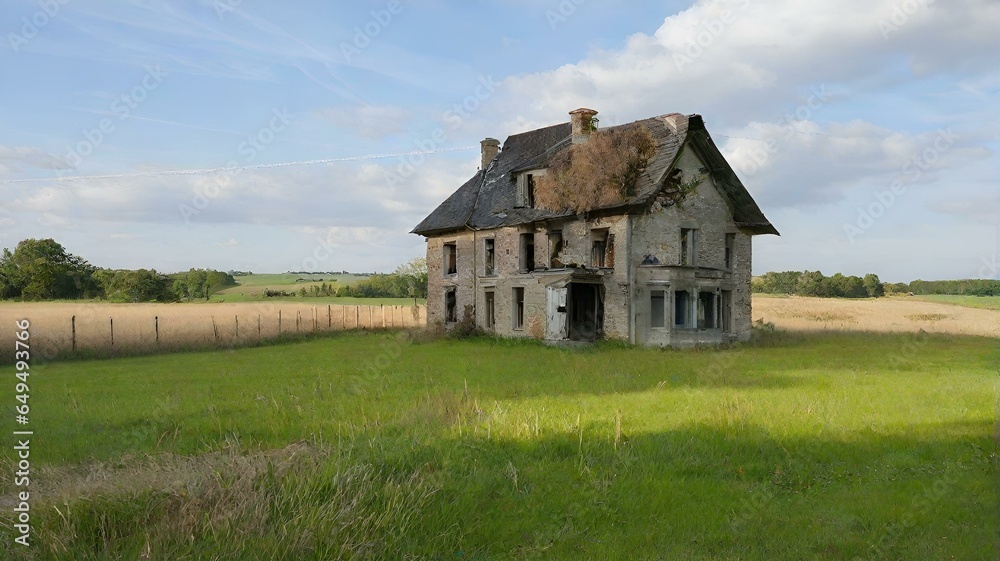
[753, 62]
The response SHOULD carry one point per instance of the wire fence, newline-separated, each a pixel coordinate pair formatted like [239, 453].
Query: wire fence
[88, 329]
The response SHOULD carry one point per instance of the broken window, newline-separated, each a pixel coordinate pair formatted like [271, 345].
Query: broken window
[730, 247]
[707, 313]
[657, 311]
[518, 309]
[450, 259]
[491, 320]
[490, 256]
[689, 246]
[450, 306]
[726, 306]
[599, 246]
[527, 257]
[681, 308]
[555, 248]
[525, 191]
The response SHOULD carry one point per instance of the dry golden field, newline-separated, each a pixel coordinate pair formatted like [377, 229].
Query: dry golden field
[895, 314]
[238, 324]
[182, 325]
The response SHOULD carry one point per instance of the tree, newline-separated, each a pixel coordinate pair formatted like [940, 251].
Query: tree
[873, 286]
[414, 275]
[43, 270]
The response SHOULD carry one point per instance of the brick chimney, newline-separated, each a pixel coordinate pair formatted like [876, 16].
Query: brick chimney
[583, 124]
[490, 149]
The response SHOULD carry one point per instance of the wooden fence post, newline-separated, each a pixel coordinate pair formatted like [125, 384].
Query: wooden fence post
[329, 317]
[73, 322]
[237, 326]
[156, 327]
[258, 327]
[112, 331]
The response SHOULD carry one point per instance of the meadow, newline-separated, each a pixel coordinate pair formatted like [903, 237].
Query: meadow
[387, 445]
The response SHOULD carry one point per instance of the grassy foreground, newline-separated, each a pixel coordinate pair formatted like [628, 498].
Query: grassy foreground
[369, 446]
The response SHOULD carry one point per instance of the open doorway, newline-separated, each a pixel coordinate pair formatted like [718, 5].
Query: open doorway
[586, 311]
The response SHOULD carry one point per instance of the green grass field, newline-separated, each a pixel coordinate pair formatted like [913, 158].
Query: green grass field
[985, 302]
[276, 279]
[370, 446]
[251, 289]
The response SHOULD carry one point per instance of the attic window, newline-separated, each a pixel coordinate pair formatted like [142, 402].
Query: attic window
[599, 247]
[689, 246]
[450, 265]
[525, 191]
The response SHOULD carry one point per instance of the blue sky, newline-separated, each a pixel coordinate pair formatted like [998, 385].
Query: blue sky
[867, 130]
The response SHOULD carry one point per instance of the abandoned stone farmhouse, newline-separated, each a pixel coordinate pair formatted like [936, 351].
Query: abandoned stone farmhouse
[666, 263]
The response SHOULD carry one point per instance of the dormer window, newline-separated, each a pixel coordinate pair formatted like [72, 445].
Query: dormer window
[525, 191]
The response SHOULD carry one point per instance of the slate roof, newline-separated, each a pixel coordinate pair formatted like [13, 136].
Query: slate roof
[487, 200]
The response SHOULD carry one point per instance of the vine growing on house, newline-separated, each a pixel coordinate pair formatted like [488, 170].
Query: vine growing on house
[602, 172]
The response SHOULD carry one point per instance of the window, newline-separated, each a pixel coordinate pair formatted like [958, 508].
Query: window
[730, 246]
[527, 257]
[525, 191]
[680, 308]
[657, 312]
[450, 306]
[599, 246]
[555, 248]
[689, 246]
[490, 256]
[450, 259]
[727, 310]
[491, 319]
[706, 311]
[518, 307]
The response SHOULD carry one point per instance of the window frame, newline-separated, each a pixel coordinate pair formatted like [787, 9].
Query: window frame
[451, 313]
[517, 308]
[449, 249]
[489, 257]
[661, 295]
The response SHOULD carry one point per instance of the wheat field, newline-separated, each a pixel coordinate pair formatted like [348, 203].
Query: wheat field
[894, 314]
[110, 329]
[146, 328]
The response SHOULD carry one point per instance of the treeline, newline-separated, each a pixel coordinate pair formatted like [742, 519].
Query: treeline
[44, 270]
[967, 287]
[814, 283]
[407, 281]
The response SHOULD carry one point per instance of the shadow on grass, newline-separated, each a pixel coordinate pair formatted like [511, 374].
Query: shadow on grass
[727, 491]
